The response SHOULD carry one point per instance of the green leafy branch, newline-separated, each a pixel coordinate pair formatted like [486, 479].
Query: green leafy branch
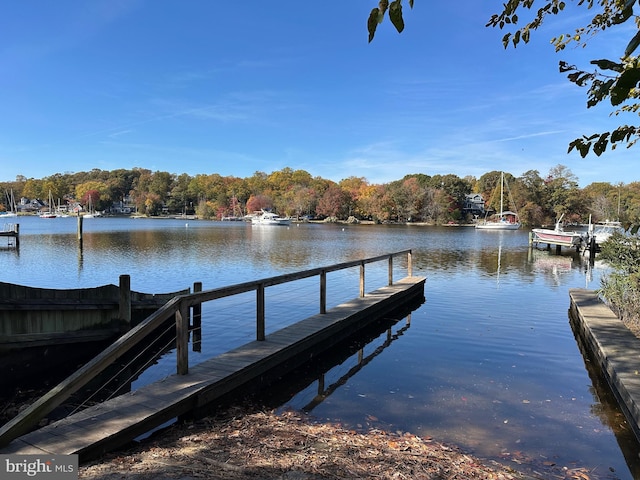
[616, 81]
[395, 15]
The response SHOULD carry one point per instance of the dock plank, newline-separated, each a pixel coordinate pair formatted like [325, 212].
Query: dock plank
[105, 426]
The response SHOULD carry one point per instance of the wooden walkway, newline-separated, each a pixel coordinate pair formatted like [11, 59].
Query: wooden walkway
[613, 347]
[107, 426]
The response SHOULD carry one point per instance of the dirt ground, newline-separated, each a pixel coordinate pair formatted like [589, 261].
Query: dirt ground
[240, 445]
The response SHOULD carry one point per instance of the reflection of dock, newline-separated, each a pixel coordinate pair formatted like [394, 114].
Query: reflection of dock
[323, 392]
[545, 261]
[106, 426]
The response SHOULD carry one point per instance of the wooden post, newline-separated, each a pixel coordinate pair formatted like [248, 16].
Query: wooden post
[124, 311]
[197, 321]
[323, 291]
[593, 247]
[79, 227]
[321, 384]
[390, 269]
[362, 279]
[260, 324]
[409, 264]
[182, 339]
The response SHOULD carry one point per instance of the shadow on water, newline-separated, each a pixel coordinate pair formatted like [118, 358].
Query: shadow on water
[276, 389]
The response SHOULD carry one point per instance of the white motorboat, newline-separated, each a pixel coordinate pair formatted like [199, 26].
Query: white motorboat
[602, 231]
[270, 218]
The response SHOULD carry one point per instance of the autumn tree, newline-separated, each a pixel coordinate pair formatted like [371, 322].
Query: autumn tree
[354, 186]
[560, 185]
[95, 192]
[259, 202]
[333, 202]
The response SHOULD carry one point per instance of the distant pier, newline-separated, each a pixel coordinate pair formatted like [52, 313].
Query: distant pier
[12, 232]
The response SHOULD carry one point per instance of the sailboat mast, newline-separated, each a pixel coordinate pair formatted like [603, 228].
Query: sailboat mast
[501, 191]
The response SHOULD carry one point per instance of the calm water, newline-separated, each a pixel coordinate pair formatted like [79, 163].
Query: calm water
[489, 362]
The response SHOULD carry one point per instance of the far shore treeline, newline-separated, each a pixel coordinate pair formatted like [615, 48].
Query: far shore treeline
[436, 199]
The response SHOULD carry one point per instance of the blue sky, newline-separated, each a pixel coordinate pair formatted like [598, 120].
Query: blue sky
[237, 87]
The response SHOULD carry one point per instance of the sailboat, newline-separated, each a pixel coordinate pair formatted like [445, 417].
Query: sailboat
[504, 220]
[11, 201]
[51, 213]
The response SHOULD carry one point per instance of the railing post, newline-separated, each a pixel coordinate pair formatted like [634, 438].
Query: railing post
[197, 320]
[182, 339]
[323, 291]
[409, 264]
[260, 326]
[124, 302]
[390, 269]
[362, 279]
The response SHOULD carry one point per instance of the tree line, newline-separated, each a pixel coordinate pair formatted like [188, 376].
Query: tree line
[436, 199]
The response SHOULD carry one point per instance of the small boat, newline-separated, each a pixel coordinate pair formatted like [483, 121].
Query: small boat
[504, 220]
[558, 236]
[270, 218]
[602, 231]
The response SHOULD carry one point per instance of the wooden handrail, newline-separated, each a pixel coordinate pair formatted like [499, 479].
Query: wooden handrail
[179, 307]
[213, 294]
[35, 412]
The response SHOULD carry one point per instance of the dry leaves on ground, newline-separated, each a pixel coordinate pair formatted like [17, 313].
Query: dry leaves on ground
[265, 445]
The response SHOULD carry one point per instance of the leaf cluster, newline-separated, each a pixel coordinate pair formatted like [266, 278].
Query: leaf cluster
[613, 80]
[395, 15]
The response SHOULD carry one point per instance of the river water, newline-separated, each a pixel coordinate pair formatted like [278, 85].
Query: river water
[488, 362]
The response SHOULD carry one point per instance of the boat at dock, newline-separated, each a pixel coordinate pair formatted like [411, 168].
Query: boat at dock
[558, 236]
[602, 231]
[270, 218]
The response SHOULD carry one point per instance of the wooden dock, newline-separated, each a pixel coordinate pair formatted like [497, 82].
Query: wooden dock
[41, 317]
[613, 347]
[103, 427]
[11, 231]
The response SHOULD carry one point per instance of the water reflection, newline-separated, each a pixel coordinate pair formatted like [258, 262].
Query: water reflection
[490, 361]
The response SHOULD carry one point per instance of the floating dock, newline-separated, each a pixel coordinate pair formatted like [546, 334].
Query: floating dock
[111, 424]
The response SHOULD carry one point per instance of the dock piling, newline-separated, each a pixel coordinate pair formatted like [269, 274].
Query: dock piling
[124, 304]
[79, 228]
[197, 320]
